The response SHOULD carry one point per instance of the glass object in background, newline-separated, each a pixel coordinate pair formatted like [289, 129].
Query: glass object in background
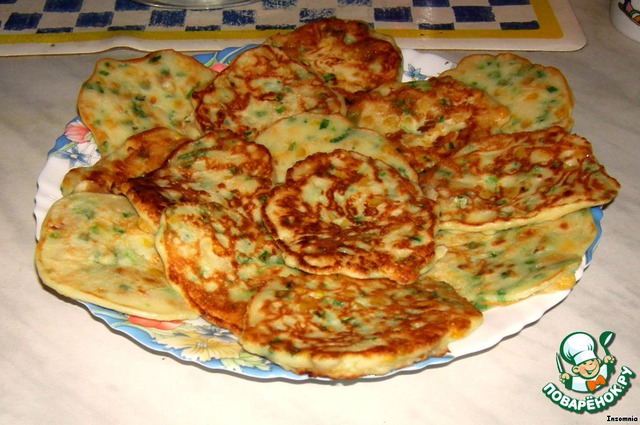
[195, 4]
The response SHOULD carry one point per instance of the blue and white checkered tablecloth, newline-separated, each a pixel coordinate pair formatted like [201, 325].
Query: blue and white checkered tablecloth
[79, 26]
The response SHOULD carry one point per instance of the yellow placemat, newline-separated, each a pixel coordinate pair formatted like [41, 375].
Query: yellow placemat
[31, 27]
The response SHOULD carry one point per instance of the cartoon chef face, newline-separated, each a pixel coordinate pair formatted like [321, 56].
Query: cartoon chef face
[587, 369]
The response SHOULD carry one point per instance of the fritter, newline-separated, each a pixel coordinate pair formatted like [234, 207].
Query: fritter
[348, 55]
[492, 269]
[509, 180]
[339, 327]
[537, 96]
[219, 167]
[126, 97]
[139, 154]
[343, 212]
[259, 87]
[293, 139]
[218, 257]
[428, 120]
[91, 250]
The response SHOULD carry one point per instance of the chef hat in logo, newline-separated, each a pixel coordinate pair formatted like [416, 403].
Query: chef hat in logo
[578, 347]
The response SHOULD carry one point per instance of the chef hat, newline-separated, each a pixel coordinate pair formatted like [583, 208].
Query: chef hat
[578, 347]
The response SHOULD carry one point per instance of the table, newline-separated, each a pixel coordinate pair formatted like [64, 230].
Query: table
[59, 366]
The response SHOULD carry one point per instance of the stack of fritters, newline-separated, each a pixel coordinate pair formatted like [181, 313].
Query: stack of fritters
[339, 221]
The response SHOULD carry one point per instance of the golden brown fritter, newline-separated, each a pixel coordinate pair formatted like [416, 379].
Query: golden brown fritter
[343, 212]
[509, 180]
[219, 167]
[260, 86]
[428, 120]
[348, 55]
[218, 257]
[538, 96]
[500, 268]
[139, 154]
[340, 327]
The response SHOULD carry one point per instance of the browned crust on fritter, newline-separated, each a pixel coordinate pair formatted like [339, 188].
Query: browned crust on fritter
[385, 235]
[532, 176]
[226, 104]
[444, 112]
[213, 303]
[514, 81]
[344, 328]
[347, 54]
[218, 257]
[210, 169]
[139, 155]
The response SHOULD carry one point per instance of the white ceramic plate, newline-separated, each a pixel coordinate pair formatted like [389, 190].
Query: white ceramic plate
[199, 342]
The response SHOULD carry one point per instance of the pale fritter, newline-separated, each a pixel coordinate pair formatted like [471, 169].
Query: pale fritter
[342, 328]
[428, 120]
[218, 257]
[126, 97]
[509, 180]
[294, 138]
[91, 250]
[219, 167]
[138, 155]
[537, 96]
[260, 86]
[348, 55]
[343, 212]
[491, 269]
